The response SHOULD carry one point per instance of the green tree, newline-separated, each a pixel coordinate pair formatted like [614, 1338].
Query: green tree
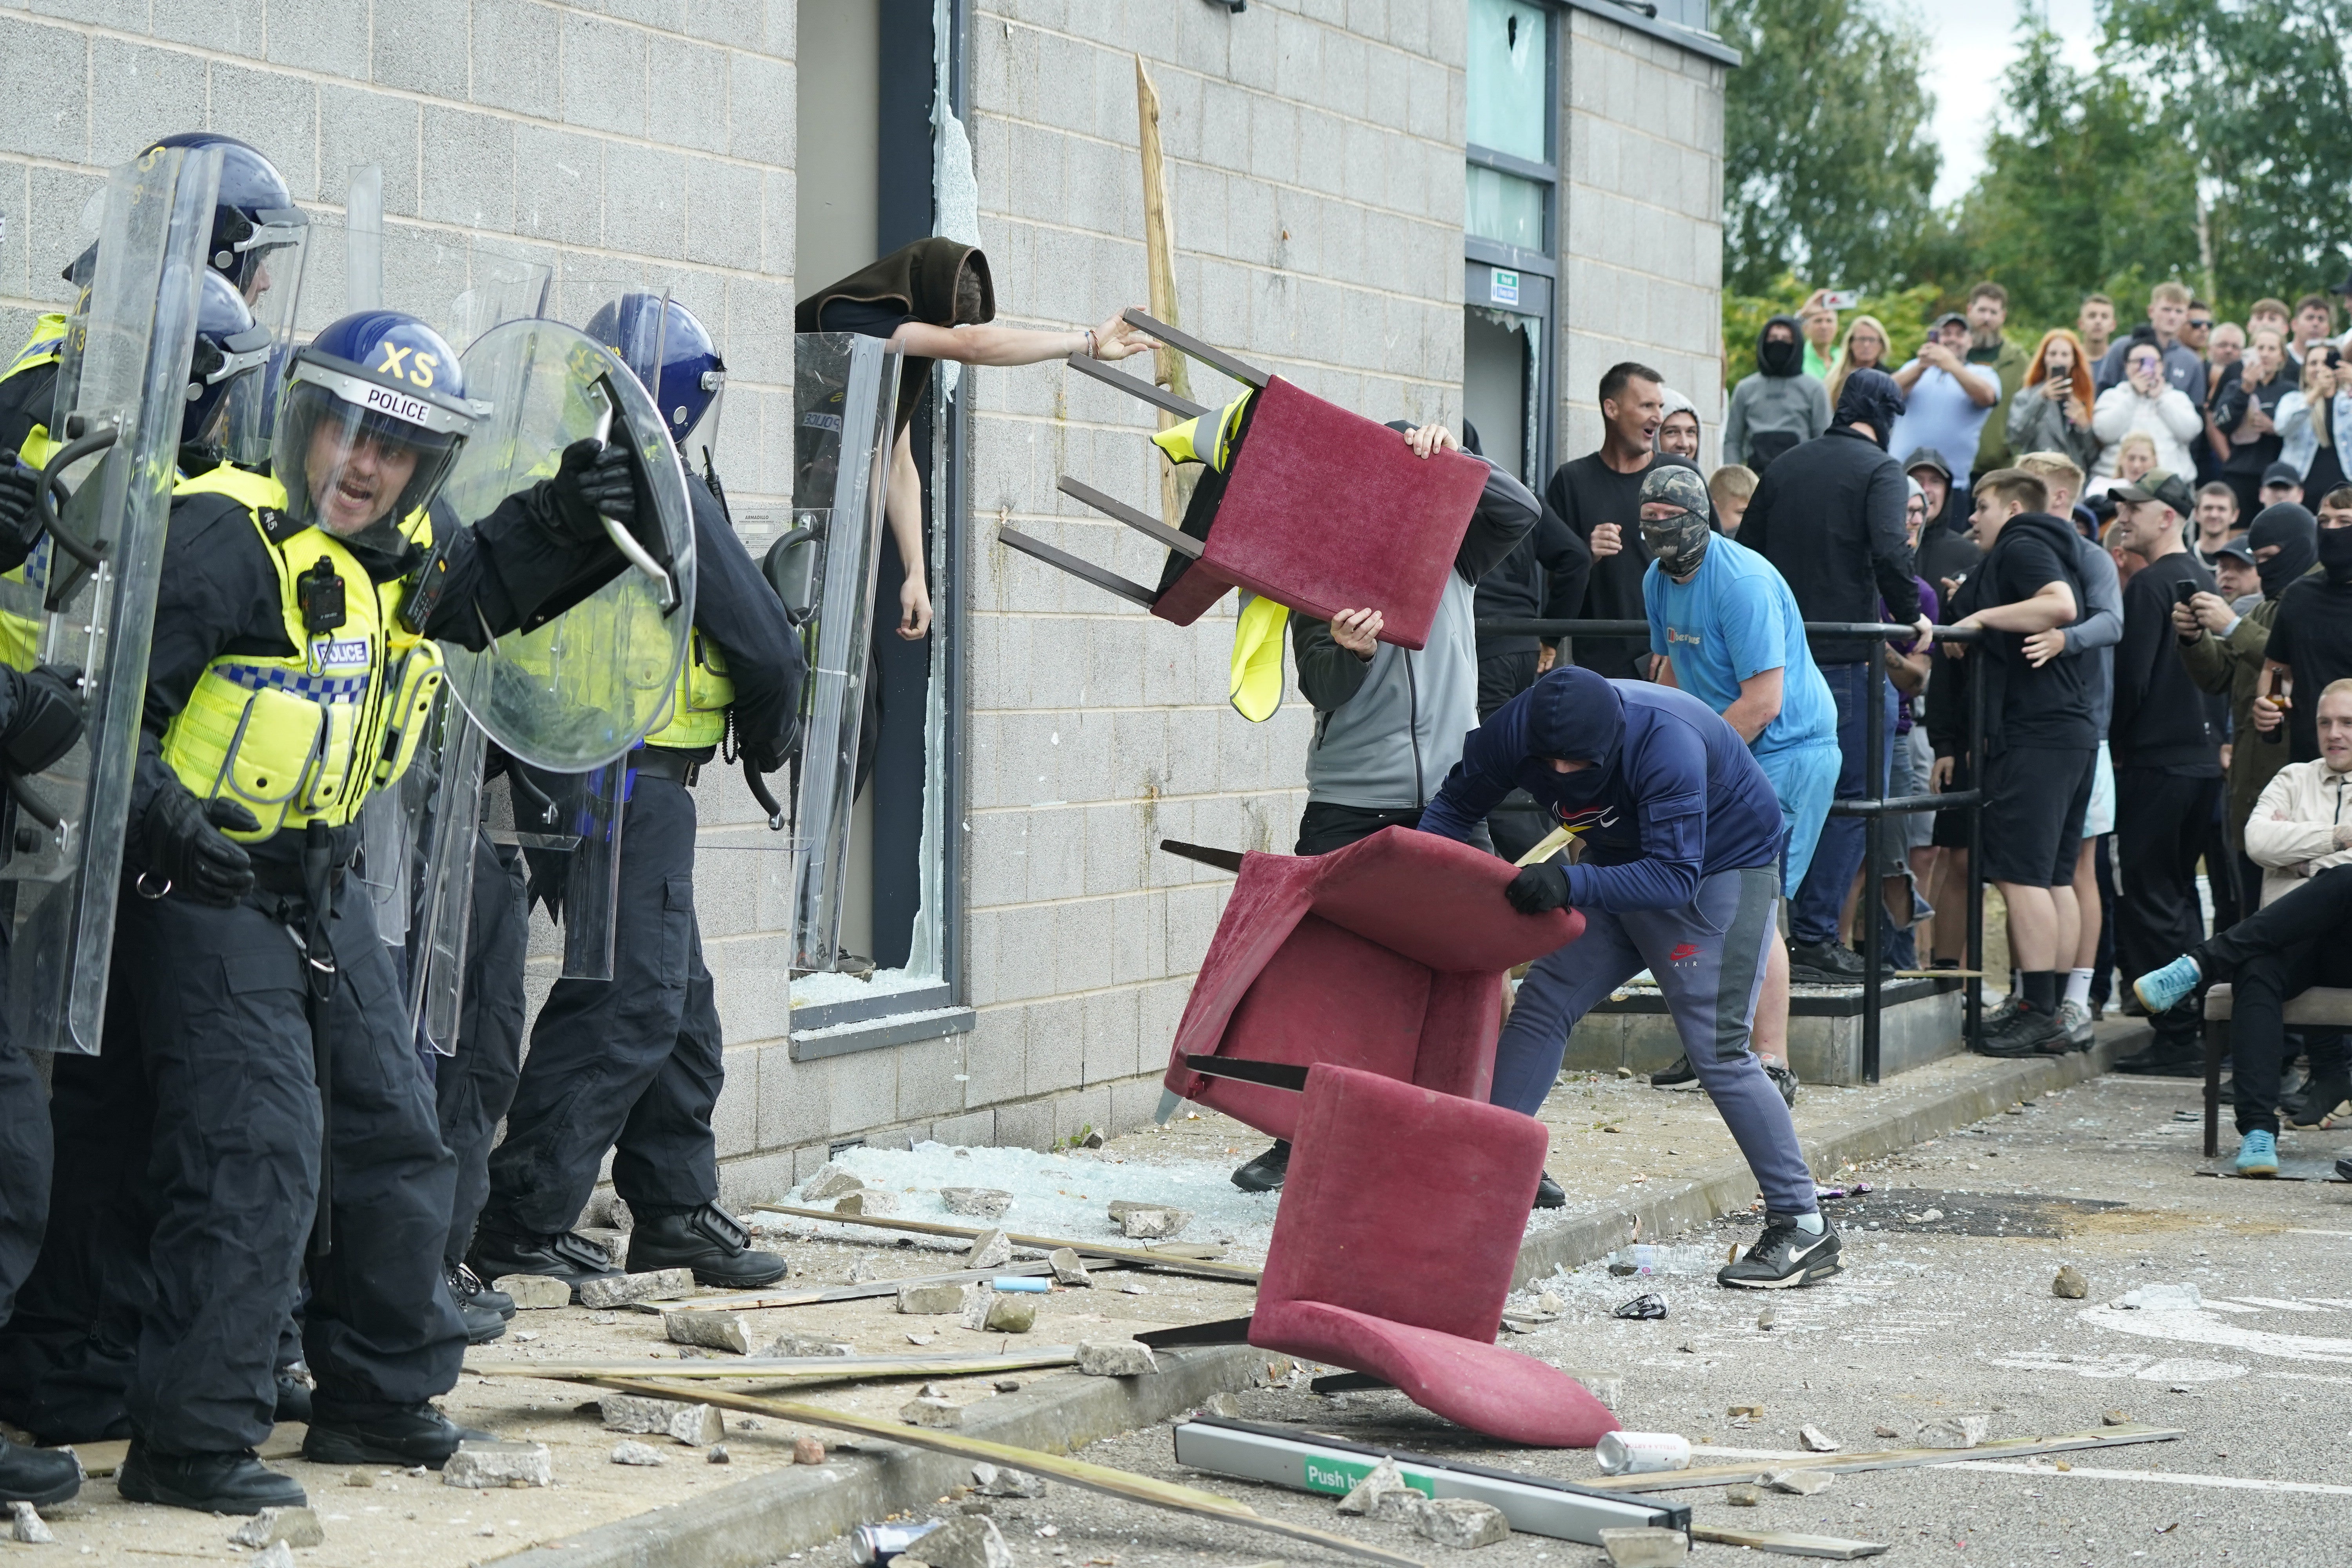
[2257, 91]
[1827, 165]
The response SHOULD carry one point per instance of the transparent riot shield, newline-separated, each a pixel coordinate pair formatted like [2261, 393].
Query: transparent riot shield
[94, 598]
[447, 819]
[582, 689]
[845, 387]
[363, 239]
[568, 827]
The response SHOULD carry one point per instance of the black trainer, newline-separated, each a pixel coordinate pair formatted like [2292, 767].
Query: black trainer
[233, 1482]
[467, 1288]
[1824, 963]
[1784, 1257]
[482, 1325]
[36, 1475]
[1682, 1072]
[2171, 1055]
[2319, 1101]
[412, 1434]
[293, 1397]
[565, 1254]
[1265, 1174]
[709, 1240]
[1549, 1195]
[2027, 1032]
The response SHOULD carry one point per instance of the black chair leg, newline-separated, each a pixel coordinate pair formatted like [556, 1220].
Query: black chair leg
[2217, 1044]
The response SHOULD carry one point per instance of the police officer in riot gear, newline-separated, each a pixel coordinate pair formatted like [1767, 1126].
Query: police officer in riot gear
[634, 1063]
[258, 1089]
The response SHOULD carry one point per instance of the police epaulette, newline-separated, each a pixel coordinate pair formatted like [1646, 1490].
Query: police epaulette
[277, 527]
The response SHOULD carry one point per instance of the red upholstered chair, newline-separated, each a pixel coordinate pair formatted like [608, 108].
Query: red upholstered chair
[1386, 956]
[1392, 1251]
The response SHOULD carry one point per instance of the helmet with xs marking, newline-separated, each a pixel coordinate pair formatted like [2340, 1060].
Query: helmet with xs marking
[371, 421]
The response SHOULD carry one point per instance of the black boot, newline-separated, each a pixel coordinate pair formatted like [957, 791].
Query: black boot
[1549, 1195]
[1824, 963]
[293, 1397]
[1265, 1173]
[234, 1482]
[413, 1435]
[36, 1475]
[709, 1240]
[2169, 1056]
[467, 1288]
[501, 1250]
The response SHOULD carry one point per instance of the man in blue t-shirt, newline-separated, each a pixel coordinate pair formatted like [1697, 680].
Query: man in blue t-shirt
[1731, 634]
[1680, 876]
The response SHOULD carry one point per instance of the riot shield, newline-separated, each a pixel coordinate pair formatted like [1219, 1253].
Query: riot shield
[447, 818]
[844, 388]
[363, 239]
[584, 688]
[96, 591]
[569, 830]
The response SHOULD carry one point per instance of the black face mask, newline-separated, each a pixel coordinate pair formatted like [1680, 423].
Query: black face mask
[2335, 553]
[1779, 359]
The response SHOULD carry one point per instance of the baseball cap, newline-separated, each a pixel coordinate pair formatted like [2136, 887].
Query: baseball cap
[2236, 545]
[1947, 319]
[2157, 484]
[2281, 474]
[1927, 457]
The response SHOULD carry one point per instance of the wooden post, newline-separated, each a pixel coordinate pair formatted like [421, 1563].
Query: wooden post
[1159, 265]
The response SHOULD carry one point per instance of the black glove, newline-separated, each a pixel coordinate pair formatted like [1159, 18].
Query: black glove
[20, 525]
[46, 720]
[1537, 890]
[594, 480]
[185, 845]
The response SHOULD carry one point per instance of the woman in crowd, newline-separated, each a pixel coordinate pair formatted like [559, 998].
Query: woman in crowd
[2052, 412]
[2247, 412]
[2311, 420]
[2143, 403]
[1865, 348]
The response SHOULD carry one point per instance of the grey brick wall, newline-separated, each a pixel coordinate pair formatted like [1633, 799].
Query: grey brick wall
[1642, 124]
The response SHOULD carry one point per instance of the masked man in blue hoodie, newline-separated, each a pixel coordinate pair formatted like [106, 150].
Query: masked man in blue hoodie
[1680, 876]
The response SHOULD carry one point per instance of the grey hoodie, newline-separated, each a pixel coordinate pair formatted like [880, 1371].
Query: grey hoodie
[1778, 407]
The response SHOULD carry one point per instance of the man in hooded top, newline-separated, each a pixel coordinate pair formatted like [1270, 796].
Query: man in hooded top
[1680, 875]
[2311, 638]
[1777, 407]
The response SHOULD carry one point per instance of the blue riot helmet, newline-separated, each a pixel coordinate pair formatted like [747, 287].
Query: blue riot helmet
[229, 349]
[668, 350]
[371, 420]
[253, 217]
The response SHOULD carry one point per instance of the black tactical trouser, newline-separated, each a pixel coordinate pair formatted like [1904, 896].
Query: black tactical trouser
[631, 1063]
[191, 1184]
[477, 1083]
[24, 1165]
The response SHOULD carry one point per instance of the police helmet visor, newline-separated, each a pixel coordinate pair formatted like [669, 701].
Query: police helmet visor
[352, 453]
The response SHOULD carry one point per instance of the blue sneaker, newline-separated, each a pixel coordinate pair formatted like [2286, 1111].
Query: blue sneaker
[2258, 1155]
[2162, 989]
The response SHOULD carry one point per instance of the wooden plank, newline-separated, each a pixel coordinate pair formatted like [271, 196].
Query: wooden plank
[764, 1301]
[1054, 1467]
[1789, 1542]
[1887, 1459]
[1167, 366]
[1139, 1257]
[810, 1369]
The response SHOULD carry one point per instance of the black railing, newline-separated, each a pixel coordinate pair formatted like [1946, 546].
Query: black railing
[1874, 807]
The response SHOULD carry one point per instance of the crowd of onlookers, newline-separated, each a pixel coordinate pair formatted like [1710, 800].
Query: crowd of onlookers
[2148, 539]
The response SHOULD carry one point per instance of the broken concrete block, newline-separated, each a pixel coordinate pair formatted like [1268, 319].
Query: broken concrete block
[1799, 1483]
[977, 1298]
[1067, 1269]
[867, 1202]
[718, 1454]
[989, 1249]
[295, 1526]
[967, 1541]
[614, 1242]
[480, 1463]
[829, 1182]
[1744, 1496]
[1011, 1315]
[620, 1289]
[931, 1411]
[1115, 1358]
[534, 1292]
[807, 1451]
[27, 1529]
[1816, 1441]
[800, 1347]
[1646, 1547]
[1094, 1139]
[1148, 1222]
[635, 1453]
[697, 1426]
[711, 1330]
[985, 1203]
[1954, 1432]
[635, 1413]
[1461, 1521]
[930, 1301]
[276, 1555]
[1223, 1405]
[1002, 1481]
[2070, 1284]
[2115, 1417]
[1384, 1481]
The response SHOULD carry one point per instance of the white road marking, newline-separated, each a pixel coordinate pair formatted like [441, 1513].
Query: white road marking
[2200, 1328]
[2045, 1468]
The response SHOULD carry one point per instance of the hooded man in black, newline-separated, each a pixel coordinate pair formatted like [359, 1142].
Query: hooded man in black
[1830, 517]
[1778, 407]
[2311, 640]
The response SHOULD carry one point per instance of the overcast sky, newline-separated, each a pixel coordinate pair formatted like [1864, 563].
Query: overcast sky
[1974, 40]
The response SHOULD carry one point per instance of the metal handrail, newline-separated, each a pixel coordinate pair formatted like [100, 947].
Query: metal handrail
[1875, 807]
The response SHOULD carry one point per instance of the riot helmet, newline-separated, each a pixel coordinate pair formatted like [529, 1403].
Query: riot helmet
[254, 217]
[229, 349]
[670, 352]
[371, 420]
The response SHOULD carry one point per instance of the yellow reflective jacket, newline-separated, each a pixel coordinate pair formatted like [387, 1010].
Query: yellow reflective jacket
[307, 736]
[698, 710]
[20, 634]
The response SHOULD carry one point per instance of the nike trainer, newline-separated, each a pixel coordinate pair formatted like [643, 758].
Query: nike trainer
[1784, 1257]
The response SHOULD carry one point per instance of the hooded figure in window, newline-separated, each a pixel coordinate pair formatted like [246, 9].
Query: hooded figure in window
[1778, 406]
